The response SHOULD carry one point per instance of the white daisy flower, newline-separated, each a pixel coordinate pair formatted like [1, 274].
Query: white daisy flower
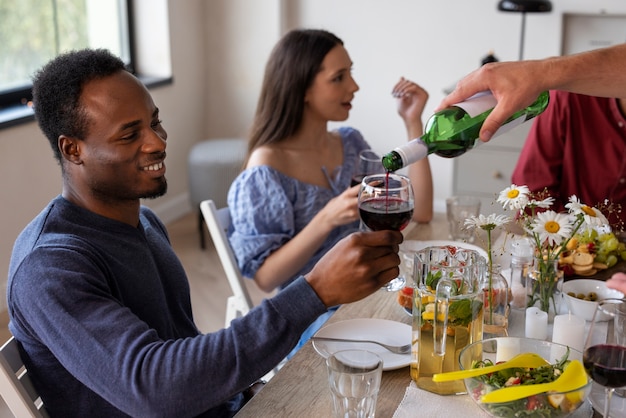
[544, 204]
[552, 227]
[592, 216]
[488, 223]
[574, 206]
[515, 197]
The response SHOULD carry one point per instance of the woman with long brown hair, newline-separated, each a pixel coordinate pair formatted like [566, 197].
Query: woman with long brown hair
[293, 201]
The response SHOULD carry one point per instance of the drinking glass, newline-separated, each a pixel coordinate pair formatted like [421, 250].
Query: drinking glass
[354, 377]
[386, 202]
[458, 209]
[369, 163]
[605, 348]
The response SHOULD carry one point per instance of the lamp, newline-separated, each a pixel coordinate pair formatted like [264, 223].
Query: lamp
[523, 7]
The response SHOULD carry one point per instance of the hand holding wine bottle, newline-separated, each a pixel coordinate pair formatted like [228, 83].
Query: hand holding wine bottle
[454, 130]
[386, 202]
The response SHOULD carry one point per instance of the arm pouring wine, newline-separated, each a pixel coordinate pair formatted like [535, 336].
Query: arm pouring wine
[453, 131]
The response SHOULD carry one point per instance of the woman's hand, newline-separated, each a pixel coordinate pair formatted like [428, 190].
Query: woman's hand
[342, 209]
[411, 99]
[287, 260]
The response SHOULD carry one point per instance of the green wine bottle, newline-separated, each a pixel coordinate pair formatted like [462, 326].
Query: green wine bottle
[454, 130]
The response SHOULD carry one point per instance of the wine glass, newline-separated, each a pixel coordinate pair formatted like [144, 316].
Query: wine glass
[605, 348]
[369, 163]
[386, 202]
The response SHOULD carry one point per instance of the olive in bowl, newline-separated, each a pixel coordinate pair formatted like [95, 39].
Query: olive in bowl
[581, 296]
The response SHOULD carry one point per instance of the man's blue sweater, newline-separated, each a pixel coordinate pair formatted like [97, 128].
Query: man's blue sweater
[103, 313]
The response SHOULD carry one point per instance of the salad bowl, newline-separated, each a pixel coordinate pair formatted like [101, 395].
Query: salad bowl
[545, 404]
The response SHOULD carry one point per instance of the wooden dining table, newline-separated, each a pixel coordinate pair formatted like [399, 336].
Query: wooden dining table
[300, 388]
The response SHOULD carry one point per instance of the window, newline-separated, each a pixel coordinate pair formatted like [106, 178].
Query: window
[34, 31]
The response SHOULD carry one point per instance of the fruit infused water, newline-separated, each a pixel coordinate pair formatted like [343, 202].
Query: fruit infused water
[447, 313]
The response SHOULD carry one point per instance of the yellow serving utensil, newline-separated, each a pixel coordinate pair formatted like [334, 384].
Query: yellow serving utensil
[573, 377]
[530, 360]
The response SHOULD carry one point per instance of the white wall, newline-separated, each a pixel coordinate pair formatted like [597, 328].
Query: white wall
[219, 48]
[239, 37]
[432, 42]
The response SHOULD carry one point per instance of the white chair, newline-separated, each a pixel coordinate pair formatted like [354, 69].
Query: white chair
[16, 388]
[217, 222]
[240, 303]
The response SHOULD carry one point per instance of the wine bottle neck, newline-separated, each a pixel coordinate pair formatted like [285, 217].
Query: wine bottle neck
[415, 152]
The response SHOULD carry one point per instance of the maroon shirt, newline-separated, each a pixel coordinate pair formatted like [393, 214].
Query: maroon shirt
[577, 146]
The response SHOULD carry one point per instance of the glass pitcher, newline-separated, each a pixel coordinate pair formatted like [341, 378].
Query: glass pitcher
[447, 313]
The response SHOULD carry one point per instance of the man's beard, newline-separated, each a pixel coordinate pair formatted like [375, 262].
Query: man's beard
[162, 189]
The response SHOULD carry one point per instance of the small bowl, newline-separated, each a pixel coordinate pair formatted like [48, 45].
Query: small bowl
[585, 308]
[553, 404]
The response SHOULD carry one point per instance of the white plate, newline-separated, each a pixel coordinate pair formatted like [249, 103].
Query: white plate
[383, 330]
[618, 404]
[413, 245]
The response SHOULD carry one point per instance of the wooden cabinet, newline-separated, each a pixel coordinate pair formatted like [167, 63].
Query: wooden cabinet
[486, 170]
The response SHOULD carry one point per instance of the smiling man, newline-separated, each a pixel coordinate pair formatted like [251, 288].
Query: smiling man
[120, 158]
[99, 302]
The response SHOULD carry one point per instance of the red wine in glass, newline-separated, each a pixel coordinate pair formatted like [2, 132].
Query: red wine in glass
[386, 203]
[604, 356]
[386, 213]
[606, 364]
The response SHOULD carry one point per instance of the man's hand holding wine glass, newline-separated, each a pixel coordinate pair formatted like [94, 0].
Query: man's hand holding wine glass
[356, 266]
[386, 202]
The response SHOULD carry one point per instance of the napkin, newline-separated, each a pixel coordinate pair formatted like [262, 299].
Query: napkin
[418, 402]
[426, 404]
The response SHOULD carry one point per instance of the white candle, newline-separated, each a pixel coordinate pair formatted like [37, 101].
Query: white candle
[507, 349]
[569, 330]
[536, 323]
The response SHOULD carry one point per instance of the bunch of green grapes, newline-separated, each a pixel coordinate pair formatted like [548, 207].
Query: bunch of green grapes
[607, 248]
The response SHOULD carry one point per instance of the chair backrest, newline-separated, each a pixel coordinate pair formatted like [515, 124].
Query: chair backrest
[16, 388]
[217, 222]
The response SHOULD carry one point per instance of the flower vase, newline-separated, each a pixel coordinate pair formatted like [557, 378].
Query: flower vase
[497, 297]
[544, 284]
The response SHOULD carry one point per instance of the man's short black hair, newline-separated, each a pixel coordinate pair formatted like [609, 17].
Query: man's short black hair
[57, 87]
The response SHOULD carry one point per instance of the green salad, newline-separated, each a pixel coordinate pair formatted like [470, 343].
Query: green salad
[541, 405]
